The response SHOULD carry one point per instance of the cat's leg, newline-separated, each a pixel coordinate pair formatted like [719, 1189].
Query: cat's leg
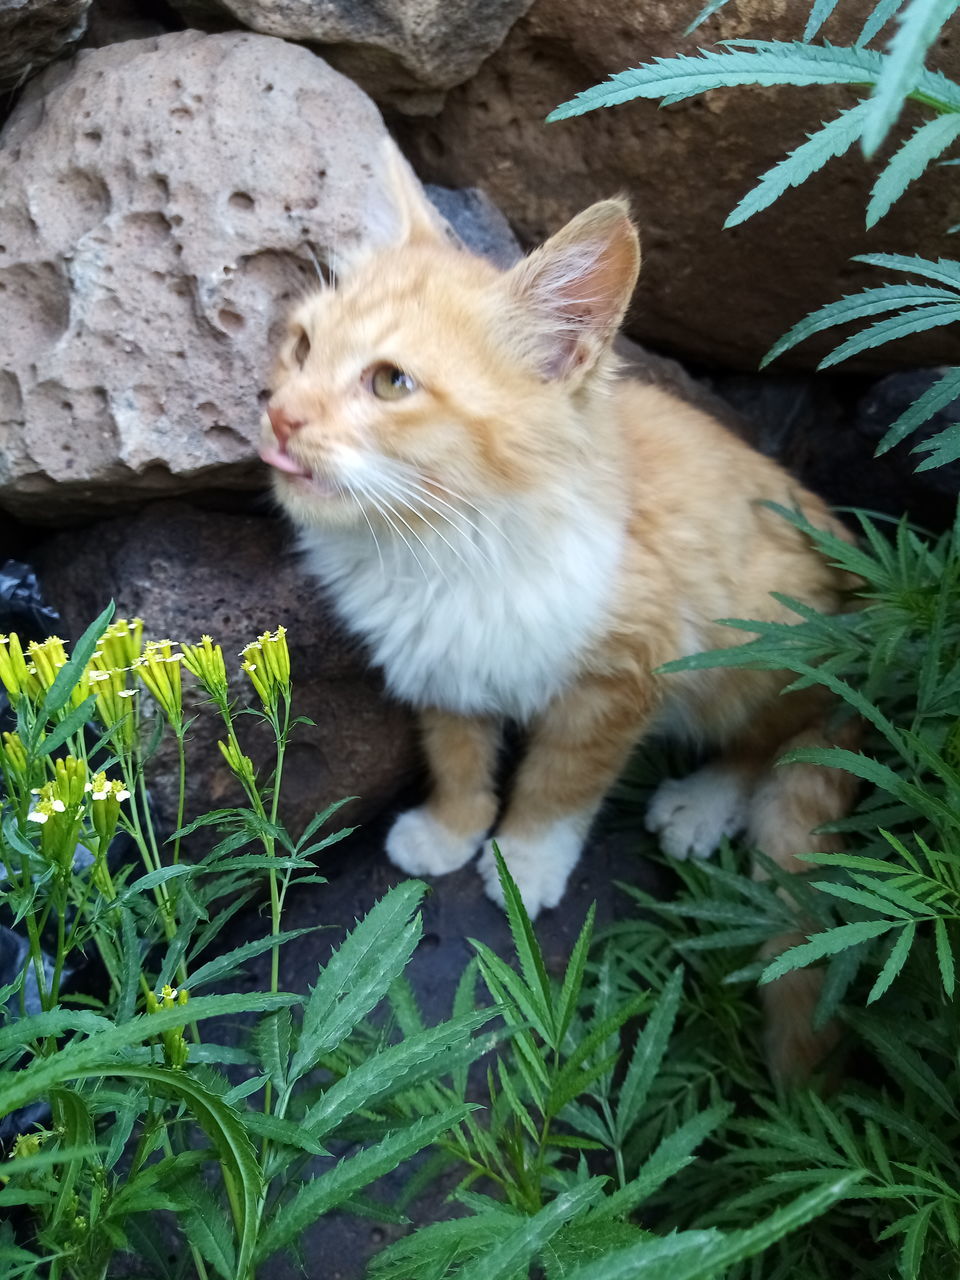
[577, 749]
[788, 804]
[447, 831]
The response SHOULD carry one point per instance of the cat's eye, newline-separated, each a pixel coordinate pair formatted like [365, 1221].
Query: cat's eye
[387, 382]
[302, 349]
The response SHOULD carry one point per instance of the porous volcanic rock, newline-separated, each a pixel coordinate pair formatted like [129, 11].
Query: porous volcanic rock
[187, 572]
[402, 52]
[718, 296]
[163, 202]
[33, 33]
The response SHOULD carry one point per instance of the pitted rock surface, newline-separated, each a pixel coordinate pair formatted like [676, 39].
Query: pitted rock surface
[188, 572]
[402, 52]
[164, 200]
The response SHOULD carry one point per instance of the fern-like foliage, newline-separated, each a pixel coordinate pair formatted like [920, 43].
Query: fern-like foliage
[893, 76]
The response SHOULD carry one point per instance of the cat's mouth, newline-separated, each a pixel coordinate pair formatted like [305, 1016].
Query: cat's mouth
[298, 475]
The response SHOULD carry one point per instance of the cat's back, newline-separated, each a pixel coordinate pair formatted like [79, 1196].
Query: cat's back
[698, 503]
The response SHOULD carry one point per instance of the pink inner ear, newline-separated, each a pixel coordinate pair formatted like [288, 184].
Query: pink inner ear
[579, 284]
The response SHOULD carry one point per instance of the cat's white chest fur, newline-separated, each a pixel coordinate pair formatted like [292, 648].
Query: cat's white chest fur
[494, 626]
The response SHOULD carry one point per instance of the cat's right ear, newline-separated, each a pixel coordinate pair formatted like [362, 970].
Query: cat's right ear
[398, 214]
[575, 289]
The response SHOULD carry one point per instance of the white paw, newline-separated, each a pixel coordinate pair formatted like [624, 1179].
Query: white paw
[418, 844]
[692, 815]
[540, 864]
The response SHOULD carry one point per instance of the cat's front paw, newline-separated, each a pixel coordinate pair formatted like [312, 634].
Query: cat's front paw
[692, 815]
[540, 864]
[420, 845]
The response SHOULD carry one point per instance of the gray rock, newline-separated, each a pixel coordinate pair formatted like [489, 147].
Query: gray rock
[33, 33]
[402, 52]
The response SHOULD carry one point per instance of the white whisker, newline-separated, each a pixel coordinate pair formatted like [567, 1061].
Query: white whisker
[412, 500]
[406, 525]
[373, 532]
[420, 493]
[398, 531]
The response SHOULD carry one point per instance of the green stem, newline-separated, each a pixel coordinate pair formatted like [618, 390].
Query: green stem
[181, 792]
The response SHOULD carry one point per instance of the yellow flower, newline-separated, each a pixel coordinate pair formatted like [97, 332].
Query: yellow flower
[159, 669]
[205, 661]
[240, 765]
[175, 1047]
[15, 752]
[13, 667]
[266, 662]
[105, 800]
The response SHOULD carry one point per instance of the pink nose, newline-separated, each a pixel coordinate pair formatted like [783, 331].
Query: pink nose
[283, 425]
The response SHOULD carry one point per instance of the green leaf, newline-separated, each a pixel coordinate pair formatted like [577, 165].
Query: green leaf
[430, 1054]
[864, 899]
[272, 1040]
[936, 397]
[707, 1255]
[741, 62]
[227, 964]
[518, 1247]
[834, 139]
[918, 26]
[68, 675]
[894, 962]
[647, 1055]
[943, 271]
[821, 11]
[882, 12]
[672, 1153]
[714, 6]
[208, 1230]
[857, 306]
[915, 1240]
[348, 1177]
[823, 944]
[909, 161]
[943, 448]
[573, 977]
[71, 723]
[358, 974]
[528, 951]
[915, 320]
[945, 957]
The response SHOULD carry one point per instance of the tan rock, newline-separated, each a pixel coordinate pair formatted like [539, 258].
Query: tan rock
[188, 572]
[163, 201]
[402, 52]
[33, 33]
[720, 296]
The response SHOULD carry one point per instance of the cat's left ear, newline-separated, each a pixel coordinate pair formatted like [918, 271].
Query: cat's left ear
[577, 286]
[412, 219]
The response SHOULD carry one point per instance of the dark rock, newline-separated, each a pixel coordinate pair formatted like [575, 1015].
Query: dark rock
[189, 572]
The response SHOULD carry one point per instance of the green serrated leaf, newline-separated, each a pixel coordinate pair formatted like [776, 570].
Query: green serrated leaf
[827, 943]
[835, 138]
[909, 161]
[647, 1056]
[945, 957]
[349, 1176]
[358, 974]
[919, 24]
[936, 397]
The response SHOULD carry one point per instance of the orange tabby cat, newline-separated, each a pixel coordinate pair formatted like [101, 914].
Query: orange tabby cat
[518, 534]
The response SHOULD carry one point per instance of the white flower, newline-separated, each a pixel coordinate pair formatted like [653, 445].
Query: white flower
[37, 816]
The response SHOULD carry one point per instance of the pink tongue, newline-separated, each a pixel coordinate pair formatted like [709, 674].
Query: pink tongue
[282, 461]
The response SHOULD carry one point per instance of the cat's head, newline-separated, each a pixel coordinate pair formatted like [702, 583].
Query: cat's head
[426, 375]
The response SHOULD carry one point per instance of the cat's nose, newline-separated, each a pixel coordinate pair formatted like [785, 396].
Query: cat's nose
[283, 425]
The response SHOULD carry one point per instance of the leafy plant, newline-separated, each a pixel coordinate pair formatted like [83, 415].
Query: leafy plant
[142, 1117]
[566, 1104]
[893, 76]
